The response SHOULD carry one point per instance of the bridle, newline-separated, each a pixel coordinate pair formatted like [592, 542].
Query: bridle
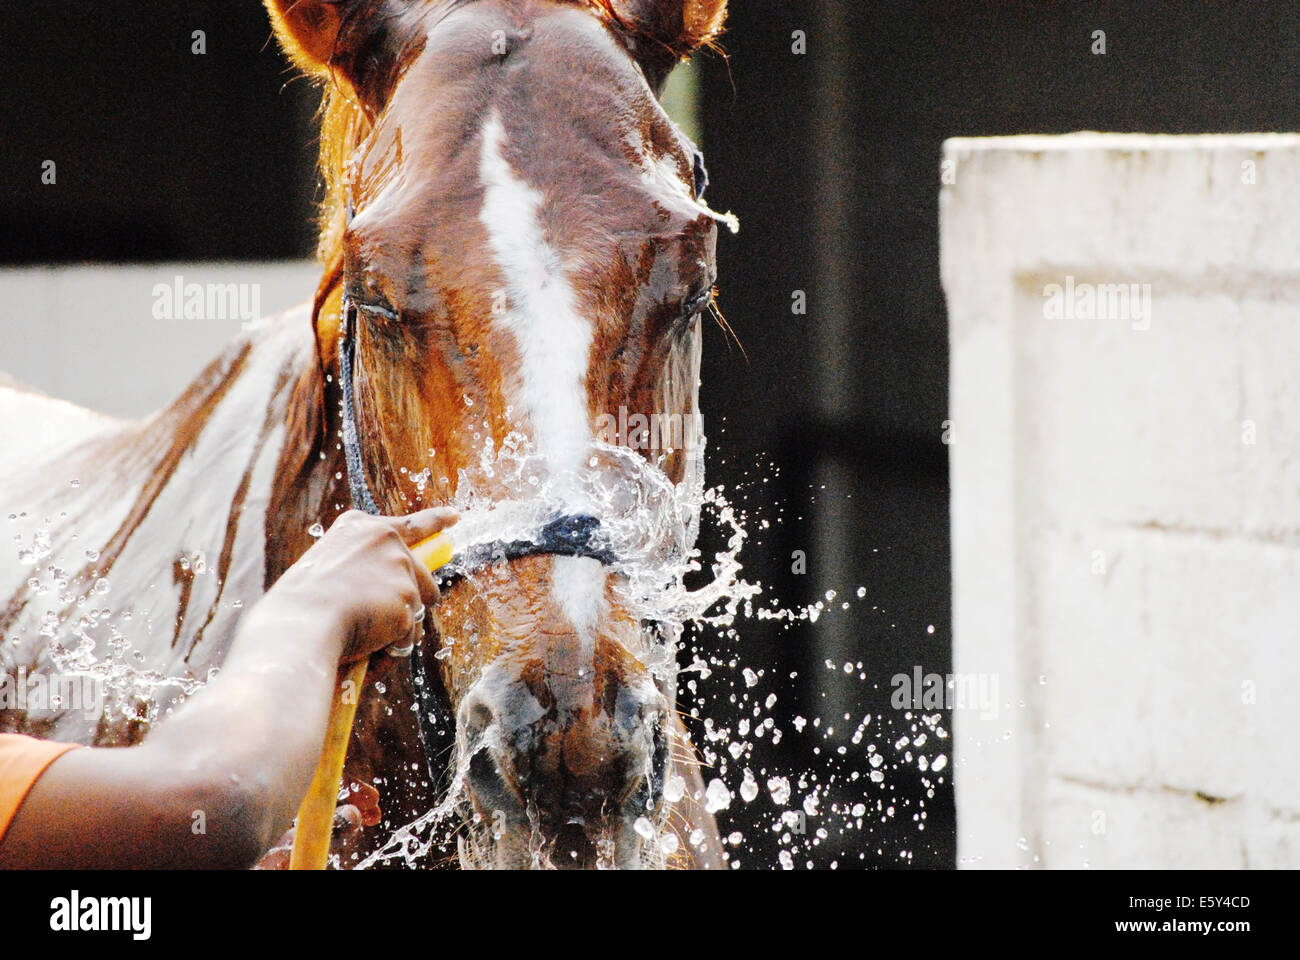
[563, 534]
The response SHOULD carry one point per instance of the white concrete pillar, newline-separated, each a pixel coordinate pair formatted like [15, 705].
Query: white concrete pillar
[1126, 498]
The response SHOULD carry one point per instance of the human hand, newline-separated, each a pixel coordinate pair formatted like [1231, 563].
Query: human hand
[362, 576]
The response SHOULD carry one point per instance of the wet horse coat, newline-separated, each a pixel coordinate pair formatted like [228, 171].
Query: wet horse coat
[516, 229]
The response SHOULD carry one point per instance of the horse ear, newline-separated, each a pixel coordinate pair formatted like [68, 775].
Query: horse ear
[307, 30]
[661, 33]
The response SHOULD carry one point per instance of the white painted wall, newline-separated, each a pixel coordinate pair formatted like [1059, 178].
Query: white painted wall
[90, 335]
[1126, 500]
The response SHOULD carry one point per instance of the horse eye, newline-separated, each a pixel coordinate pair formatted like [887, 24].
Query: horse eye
[697, 302]
[384, 310]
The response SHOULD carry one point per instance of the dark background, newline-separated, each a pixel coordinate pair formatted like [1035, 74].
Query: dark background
[831, 160]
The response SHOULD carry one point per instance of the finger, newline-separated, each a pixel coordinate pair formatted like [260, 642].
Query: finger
[362, 794]
[414, 634]
[277, 859]
[424, 523]
[400, 651]
[426, 584]
[366, 799]
[347, 822]
[391, 623]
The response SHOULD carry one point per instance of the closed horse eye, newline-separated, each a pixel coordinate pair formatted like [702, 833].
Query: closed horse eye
[696, 303]
[374, 309]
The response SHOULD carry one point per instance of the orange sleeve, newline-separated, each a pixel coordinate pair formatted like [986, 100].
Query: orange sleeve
[22, 761]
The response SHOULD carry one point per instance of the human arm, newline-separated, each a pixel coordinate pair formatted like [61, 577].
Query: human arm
[215, 784]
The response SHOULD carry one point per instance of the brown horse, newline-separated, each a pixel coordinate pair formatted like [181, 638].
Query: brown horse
[515, 250]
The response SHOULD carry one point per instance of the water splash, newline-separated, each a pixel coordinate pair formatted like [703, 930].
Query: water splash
[652, 526]
[736, 702]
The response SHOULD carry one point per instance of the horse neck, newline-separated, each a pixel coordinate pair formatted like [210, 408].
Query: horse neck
[167, 527]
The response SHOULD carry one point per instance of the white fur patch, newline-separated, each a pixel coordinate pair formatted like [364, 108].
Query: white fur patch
[578, 583]
[541, 312]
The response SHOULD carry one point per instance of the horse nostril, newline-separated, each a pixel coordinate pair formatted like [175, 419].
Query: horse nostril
[483, 774]
[491, 792]
[478, 719]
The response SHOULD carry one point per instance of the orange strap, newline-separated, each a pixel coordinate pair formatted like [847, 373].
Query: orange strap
[22, 761]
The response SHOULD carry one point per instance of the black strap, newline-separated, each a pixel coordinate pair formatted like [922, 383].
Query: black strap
[362, 499]
[567, 535]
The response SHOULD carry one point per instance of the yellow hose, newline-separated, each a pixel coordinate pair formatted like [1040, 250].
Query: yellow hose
[311, 838]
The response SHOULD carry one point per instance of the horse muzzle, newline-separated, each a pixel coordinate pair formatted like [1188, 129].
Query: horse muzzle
[566, 771]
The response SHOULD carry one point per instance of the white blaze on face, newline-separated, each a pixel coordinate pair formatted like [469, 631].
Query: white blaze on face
[541, 311]
[554, 343]
[578, 583]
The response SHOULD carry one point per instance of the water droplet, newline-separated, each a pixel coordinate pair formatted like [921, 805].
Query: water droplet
[674, 789]
[644, 828]
[316, 530]
[717, 796]
[779, 787]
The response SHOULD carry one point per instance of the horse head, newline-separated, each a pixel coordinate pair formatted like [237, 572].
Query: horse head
[518, 258]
